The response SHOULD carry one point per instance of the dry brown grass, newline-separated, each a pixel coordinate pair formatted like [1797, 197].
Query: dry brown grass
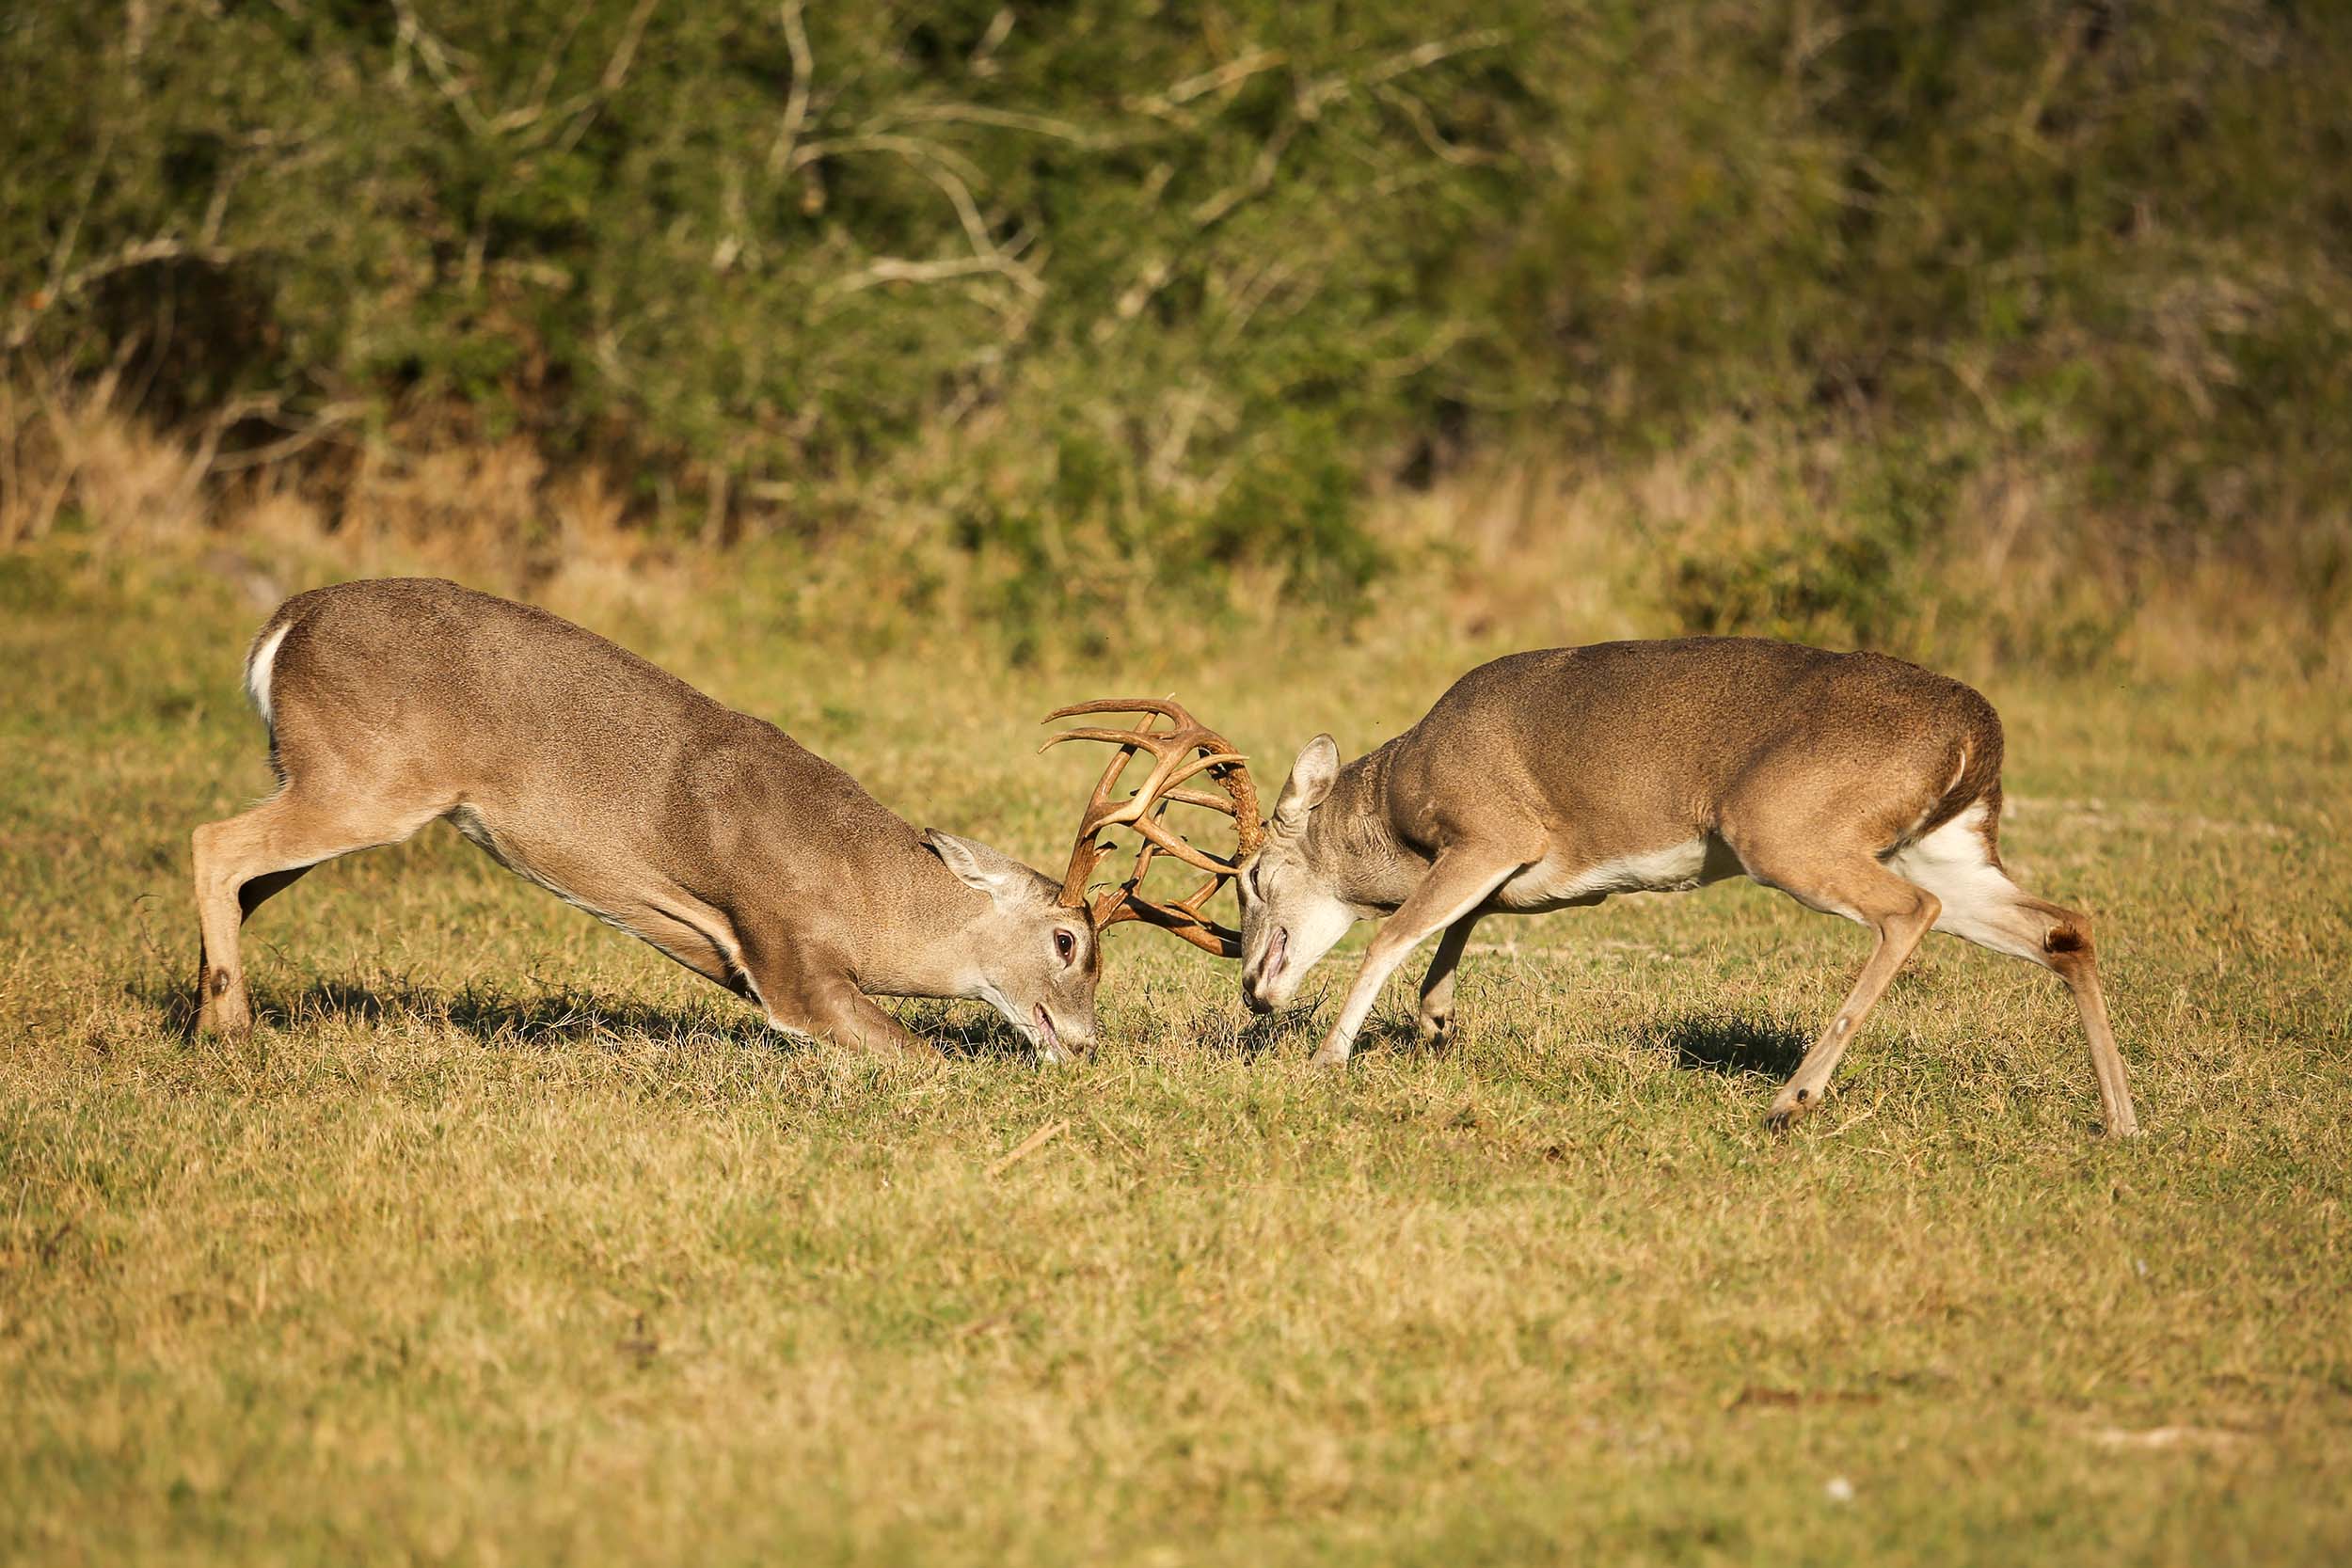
[508, 1241]
[1500, 553]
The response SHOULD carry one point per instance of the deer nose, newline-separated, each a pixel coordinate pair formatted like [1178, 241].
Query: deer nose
[1058, 1039]
[1258, 988]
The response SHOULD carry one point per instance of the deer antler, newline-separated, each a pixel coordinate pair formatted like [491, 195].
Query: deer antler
[1188, 749]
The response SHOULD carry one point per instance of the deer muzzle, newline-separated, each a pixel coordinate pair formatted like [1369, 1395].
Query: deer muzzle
[1258, 986]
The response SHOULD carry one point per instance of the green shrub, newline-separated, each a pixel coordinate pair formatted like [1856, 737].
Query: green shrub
[1185, 283]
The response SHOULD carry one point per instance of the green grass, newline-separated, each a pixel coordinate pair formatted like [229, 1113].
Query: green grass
[505, 1241]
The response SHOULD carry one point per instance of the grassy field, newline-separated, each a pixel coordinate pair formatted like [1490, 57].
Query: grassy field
[506, 1240]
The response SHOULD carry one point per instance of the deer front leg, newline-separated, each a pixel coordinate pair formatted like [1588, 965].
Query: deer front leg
[1460, 881]
[846, 1014]
[1435, 1021]
[839, 1011]
[814, 997]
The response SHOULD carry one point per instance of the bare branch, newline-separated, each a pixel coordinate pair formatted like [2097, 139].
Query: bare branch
[163, 248]
[1231, 72]
[914, 149]
[544, 82]
[1322, 90]
[976, 114]
[1416, 114]
[435, 55]
[581, 111]
[329, 419]
[625, 55]
[796, 101]
[984, 60]
[896, 269]
[62, 256]
[1312, 99]
[1212, 211]
[1254, 293]
[941, 168]
[1421, 56]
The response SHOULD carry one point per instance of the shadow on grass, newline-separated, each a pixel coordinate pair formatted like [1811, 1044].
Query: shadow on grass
[1291, 1032]
[1225, 1028]
[556, 1018]
[1735, 1047]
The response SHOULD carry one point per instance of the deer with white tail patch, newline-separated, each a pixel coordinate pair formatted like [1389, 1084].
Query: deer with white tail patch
[1860, 785]
[710, 833]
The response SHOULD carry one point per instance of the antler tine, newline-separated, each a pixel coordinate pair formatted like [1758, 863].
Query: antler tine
[1168, 707]
[1155, 794]
[1183, 920]
[1201, 797]
[1185, 917]
[1089, 851]
[1183, 750]
[1131, 739]
[1155, 832]
[1116, 903]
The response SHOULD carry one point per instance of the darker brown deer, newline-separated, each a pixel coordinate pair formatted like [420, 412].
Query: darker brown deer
[1860, 785]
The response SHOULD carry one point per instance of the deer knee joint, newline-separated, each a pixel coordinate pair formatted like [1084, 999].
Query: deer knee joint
[2067, 944]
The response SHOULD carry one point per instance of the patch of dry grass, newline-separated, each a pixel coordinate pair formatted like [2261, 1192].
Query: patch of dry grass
[506, 1240]
[1511, 551]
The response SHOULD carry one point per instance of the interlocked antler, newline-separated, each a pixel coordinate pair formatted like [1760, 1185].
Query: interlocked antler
[1178, 754]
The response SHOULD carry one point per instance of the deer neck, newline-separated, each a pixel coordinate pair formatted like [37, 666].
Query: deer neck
[1352, 840]
[926, 924]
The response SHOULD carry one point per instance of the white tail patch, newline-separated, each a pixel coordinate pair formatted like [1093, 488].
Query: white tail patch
[1980, 903]
[256, 670]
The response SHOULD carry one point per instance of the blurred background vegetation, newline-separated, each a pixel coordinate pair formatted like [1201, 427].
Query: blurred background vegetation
[2003, 331]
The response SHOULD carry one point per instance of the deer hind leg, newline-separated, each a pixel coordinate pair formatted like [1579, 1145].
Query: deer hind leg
[1853, 884]
[1957, 863]
[246, 859]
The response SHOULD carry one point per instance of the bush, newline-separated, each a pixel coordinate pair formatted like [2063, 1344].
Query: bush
[1171, 289]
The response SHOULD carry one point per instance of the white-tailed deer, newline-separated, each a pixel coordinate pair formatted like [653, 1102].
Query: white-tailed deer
[710, 834]
[1858, 785]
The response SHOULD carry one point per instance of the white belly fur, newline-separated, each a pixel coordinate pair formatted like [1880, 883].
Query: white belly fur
[1549, 884]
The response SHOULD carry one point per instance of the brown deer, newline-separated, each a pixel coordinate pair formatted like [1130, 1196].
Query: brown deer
[709, 834]
[1856, 784]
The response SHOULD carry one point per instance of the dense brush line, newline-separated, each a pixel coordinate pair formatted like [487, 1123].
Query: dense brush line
[1110, 289]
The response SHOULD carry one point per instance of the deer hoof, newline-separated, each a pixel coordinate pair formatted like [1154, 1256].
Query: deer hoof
[226, 1017]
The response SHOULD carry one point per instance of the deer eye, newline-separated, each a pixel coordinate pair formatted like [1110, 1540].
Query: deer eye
[1066, 944]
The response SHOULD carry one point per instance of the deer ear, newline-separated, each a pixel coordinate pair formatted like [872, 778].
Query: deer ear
[1311, 777]
[992, 871]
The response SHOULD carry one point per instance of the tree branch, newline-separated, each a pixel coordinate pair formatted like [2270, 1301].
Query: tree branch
[796, 101]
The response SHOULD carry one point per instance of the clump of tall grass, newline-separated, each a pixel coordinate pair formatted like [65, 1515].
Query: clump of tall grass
[1943, 554]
